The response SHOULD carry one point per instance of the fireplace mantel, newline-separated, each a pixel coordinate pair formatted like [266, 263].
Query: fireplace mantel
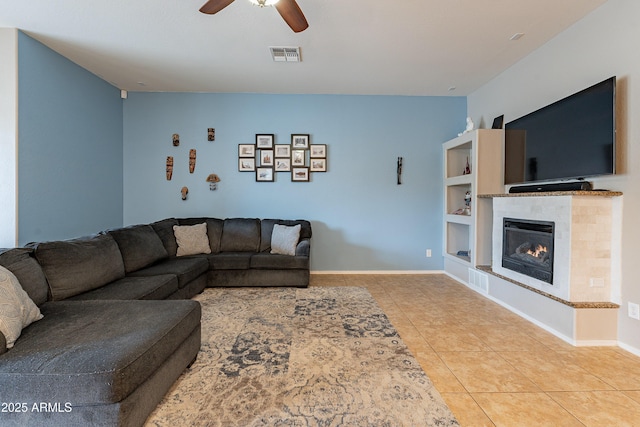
[592, 193]
[581, 304]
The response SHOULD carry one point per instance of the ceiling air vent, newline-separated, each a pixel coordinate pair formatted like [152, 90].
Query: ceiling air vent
[285, 54]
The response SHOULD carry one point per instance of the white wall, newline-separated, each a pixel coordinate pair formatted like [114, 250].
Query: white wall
[8, 136]
[599, 46]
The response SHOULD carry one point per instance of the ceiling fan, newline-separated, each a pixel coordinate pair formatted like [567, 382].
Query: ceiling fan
[288, 9]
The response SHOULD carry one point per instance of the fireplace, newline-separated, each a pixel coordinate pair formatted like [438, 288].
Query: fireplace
[527, 247]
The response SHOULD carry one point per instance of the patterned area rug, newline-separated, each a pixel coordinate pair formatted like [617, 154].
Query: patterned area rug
[300, 357]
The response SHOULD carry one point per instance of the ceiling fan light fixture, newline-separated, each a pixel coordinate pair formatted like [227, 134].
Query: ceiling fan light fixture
[263, 3]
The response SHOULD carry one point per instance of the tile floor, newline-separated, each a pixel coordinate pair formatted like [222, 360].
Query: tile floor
[494, 368]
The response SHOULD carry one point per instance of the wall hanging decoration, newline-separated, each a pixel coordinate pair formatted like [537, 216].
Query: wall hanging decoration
[169, 167]
[176, 139]
[264, 174]
[213, 181]
[318, 150]
[399, 171]
[318, 157]
[264, 140]
[266, 157]
[211, 134]
[192, 160]
[299, 158]
[246, 150]
[184, 191]
[300, 140]
[318, 165]
[246, 164]
[282, 150]
[300, 174]
[283, 165]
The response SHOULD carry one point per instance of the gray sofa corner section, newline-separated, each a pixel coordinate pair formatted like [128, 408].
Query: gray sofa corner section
[95, 382]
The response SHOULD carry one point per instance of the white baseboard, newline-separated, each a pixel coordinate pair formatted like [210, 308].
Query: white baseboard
[378, 272]
[630, 349]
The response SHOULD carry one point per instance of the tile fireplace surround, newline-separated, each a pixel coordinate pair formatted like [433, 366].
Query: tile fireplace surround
[581, 305]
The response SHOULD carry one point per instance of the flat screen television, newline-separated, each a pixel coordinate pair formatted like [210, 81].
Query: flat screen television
[572, 138]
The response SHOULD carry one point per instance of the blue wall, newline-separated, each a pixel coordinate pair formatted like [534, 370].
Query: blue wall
[361, 219]
[69, 149]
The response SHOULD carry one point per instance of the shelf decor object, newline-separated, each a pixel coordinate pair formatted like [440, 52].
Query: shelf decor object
[175, 139]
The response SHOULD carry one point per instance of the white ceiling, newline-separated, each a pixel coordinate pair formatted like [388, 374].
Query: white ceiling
[387, 47]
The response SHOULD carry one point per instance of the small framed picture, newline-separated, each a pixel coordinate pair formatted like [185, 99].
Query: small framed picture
[282, 150]
[264, 174]
[283, 165]
[246, 150]
[318, 165]
[266, 157]
[300, 174]
[318, 150]
[298, 157]
[246, 164]
[300, 140]
[264, 140]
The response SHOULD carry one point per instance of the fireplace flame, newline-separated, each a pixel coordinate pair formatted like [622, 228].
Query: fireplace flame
[538, 252]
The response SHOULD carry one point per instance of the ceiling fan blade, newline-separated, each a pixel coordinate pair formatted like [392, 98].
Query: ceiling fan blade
[214, 6]
[292, 15]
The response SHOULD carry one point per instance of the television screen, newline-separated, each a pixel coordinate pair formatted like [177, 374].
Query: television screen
[571, 138]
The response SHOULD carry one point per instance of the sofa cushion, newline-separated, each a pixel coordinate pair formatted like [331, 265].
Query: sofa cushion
[132, 288]
[29, 273]
[267, 261]
[94, 352]
[17, 311]
[164, 230]
[284, 239]
[192, 239]
[139, 245]
[214, 230]
[79, 265]
[230, 261]
[187, 269]
[266, 230]
[240, 235]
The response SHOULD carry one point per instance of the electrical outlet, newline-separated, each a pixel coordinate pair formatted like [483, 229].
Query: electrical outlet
[428, 253]
[634, 311]
[596, 282]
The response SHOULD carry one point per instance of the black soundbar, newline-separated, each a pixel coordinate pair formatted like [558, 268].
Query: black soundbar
[560, 186]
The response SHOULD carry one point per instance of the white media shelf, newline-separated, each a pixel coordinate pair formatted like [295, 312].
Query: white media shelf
[483, 149]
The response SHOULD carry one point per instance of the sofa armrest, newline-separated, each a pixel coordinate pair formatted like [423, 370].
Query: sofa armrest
[303, 248]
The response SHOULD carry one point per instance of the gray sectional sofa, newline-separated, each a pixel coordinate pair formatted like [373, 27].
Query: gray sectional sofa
[119, 326]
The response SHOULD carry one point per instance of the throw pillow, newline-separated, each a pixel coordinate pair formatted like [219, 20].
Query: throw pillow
[17, 311]
[192, 239]
[284, 239]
